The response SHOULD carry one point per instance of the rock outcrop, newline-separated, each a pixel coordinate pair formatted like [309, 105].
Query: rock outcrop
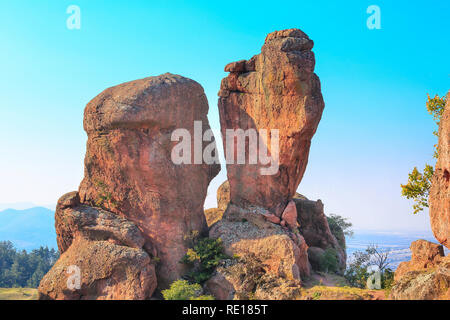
[128, 165]
[311, 222]
[424, 255]
[135, 204]
[105, 250]
[426, 284]
[426, 276]
[223, 198]
[440, 184]
[276, 89]
[313, 226]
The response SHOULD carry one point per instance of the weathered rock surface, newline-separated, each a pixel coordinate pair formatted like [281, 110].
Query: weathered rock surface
[223, 198]
[105, 248]
[73, 219]
[276, 89]
[128, 165]
[440, 184]
[316, 231]
[284, 253]
[427, 284]
[248, 278]
[424, 255]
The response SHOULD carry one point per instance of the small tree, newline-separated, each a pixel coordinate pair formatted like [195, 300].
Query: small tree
[358, 272]
[337, 222]
[419, 184]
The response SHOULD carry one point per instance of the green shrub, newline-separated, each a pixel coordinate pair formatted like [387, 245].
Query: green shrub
[387, 279]
[340, 227]
[204, 256]
[329, 261]
[183, 290]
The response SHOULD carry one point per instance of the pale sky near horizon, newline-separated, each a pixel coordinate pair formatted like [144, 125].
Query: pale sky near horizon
[374, 129]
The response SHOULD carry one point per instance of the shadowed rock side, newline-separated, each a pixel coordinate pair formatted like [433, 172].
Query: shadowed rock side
[276, 89]
[440, 185]
[313, 226]
[105, 249]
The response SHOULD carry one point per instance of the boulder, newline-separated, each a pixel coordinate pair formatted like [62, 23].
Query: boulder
[440, 185]
[426, 284]
[424, 255]
[107, 251]
[275, 90]
[247, 278]
[284, 253]
[129, 168]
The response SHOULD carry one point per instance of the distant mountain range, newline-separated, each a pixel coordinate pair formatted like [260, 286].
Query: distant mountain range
[29, 228]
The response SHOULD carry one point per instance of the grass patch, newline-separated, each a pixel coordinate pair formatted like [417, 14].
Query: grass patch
[340, 293]
[18, 294]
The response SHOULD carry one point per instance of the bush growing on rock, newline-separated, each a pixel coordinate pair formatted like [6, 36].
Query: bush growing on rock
[183, 290]
[203, 257]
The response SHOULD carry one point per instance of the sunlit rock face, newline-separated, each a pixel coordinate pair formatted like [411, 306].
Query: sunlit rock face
[440, 185]
[276, 89]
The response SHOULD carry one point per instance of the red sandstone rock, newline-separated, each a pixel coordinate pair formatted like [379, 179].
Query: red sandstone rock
[316, 231]
[128, 165]
[284, 253]
[276, 89]
[290, 215]
[440, 185]
[432, 283]
[424, 255]
[107, 250]
[108, 272]
[223, 196]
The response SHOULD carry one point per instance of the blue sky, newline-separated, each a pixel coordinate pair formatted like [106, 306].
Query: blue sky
[374, 129]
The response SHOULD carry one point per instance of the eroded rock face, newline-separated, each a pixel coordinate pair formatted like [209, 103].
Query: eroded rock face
[440, 185]
[128, 165]
[424, 255]
[283, 252]
[107, 251]
[276, 89]
[223, 198]
[427, 284]
[313, 225]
